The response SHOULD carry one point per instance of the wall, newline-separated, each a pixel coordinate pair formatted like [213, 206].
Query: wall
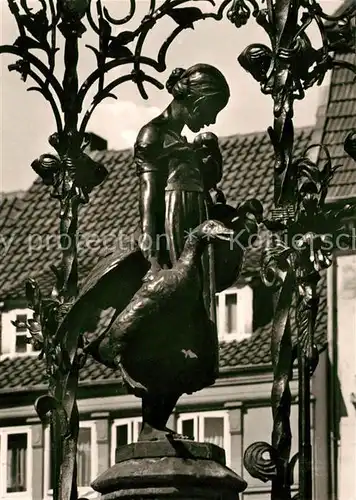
[345, 383]
[245, 398]
[320, 425]
[258, 424]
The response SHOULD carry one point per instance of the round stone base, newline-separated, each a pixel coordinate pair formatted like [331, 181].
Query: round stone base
[170, 469]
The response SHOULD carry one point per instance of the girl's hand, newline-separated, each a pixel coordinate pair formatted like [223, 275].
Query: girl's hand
[217, 196]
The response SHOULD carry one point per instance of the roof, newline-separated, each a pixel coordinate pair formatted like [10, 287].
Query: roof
[10, 205]
[339, 119]
[345, 6]
[113, 209]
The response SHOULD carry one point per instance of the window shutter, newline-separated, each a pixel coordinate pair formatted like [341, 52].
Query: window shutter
[124, 431]
[137, 426]
[245, 310]
[21, 320]
[15, 462]
[13, 338]
[188, 426]
[123, 435]
[235, 313]
[8, 333]
[84, 457]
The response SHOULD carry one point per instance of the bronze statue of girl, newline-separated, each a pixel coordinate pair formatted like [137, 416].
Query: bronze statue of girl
[173, 194]
[172, 198]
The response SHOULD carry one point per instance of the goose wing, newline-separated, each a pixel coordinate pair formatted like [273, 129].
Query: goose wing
[149, 301]
[111, 285]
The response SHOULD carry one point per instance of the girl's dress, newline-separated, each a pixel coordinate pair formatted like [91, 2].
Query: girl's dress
[182, 199]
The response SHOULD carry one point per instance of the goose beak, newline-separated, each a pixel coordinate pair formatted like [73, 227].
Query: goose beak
[226, 235]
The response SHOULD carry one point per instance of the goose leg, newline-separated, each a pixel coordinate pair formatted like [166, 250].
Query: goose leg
[156, 410]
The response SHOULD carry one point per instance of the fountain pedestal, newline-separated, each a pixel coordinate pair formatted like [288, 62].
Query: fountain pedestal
[168, 469]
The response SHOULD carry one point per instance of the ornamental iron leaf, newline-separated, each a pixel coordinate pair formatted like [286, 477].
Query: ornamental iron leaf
[240, 12]
[37, 25]
[72, 10]
[256, 59]
[185, 17]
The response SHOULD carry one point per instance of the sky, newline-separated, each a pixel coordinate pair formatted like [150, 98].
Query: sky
[26, 119]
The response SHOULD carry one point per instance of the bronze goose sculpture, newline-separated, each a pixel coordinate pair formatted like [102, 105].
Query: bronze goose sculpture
[114, 282]
[163, 341]
[117, 277]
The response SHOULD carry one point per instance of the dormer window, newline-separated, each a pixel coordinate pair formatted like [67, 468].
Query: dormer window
[14, 333]
[234, 313]
[21, 333]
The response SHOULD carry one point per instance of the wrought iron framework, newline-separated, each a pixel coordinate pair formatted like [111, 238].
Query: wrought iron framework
[291, 264]
[300, 223]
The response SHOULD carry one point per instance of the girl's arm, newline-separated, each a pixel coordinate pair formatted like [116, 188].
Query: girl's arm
[147, 149]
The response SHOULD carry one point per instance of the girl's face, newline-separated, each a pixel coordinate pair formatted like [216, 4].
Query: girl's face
[202, 112]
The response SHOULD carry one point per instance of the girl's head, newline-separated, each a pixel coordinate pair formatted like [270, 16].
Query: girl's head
[203, 92]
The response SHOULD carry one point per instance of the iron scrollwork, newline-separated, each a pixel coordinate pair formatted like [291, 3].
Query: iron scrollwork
[350, 144]
[72, 174]
[300, 224]
[292, 265]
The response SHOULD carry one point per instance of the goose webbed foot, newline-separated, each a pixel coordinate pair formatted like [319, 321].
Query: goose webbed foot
[156, 410]
[149, 433]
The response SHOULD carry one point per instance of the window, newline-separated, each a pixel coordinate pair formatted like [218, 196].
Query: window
[84, 461]
[14, 333]
[21, 331]
[209, 427]
[87, 467]
[15, 460]
[234, 313]
[124, 431]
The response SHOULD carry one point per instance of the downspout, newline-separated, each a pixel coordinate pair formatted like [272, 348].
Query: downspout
[333, 407]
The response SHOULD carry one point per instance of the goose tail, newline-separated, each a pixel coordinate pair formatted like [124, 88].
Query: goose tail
[135, 387]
